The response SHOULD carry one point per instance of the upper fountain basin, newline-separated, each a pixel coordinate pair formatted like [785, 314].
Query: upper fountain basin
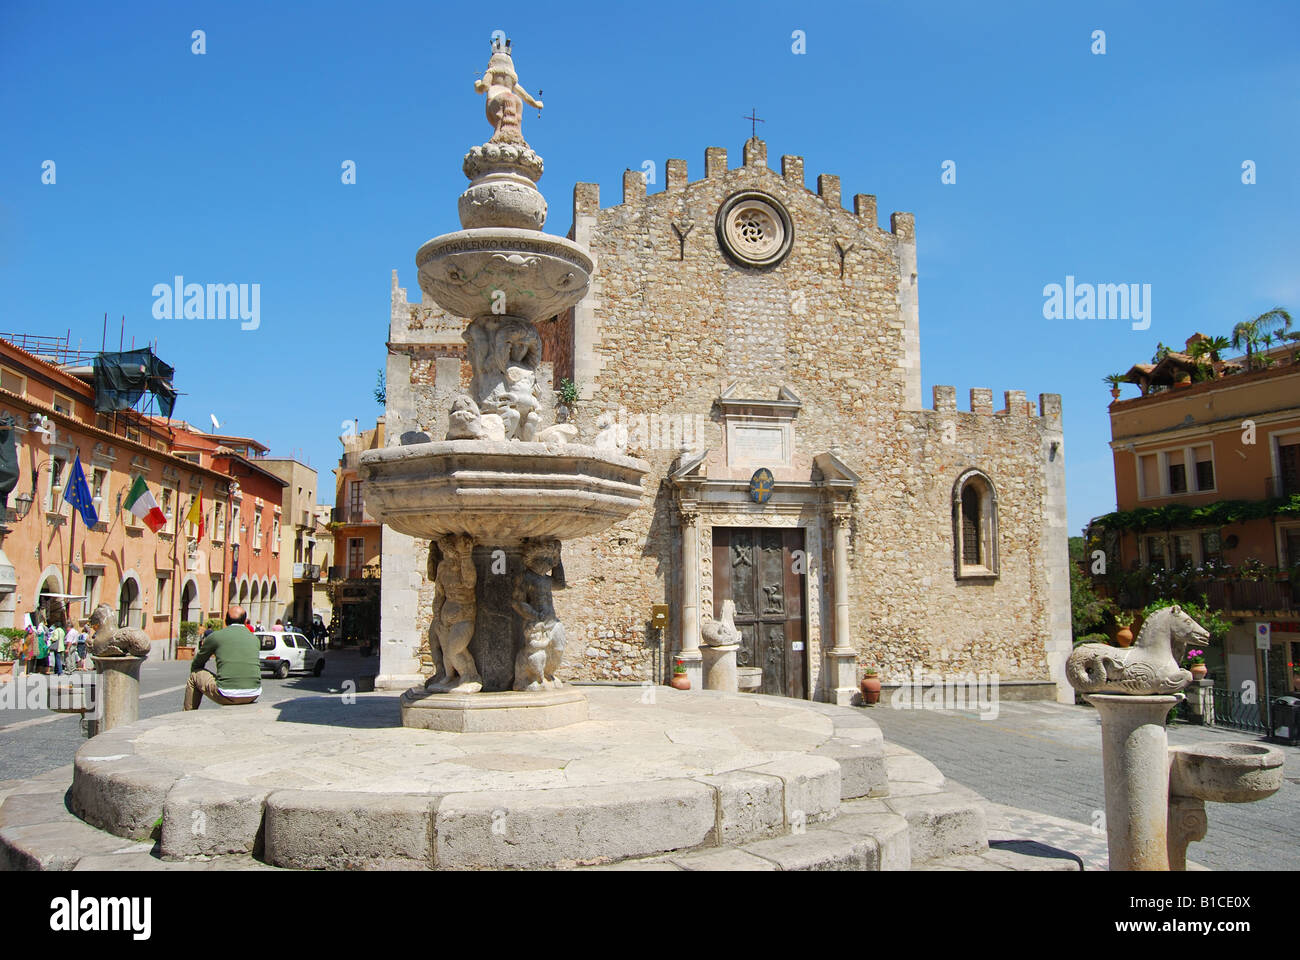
[504, 270]
[1226, 772]
[500, 492]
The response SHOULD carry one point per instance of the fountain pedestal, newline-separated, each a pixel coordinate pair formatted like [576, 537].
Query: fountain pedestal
[1134, 754]
[492, 712]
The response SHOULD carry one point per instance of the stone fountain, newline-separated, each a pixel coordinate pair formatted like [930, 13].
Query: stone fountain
[497, 498]
[1155, 794]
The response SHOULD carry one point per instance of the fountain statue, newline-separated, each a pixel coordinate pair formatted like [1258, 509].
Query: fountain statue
[1155, 794]
[497, 498]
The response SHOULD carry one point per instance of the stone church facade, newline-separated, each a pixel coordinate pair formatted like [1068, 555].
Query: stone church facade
[758, 344]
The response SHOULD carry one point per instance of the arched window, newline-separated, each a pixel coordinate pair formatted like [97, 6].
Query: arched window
[975, 526]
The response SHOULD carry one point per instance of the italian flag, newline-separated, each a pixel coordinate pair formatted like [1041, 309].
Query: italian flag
[142, 504]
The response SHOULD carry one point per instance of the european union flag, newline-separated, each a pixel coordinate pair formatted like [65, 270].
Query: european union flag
[77, 493]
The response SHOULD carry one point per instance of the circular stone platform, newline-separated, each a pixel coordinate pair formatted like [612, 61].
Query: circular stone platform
[333, 782]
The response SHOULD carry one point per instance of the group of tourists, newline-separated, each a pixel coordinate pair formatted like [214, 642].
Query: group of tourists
[51, 648]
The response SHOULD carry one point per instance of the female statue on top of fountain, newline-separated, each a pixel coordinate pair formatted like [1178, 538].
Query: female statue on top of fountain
[504, 96]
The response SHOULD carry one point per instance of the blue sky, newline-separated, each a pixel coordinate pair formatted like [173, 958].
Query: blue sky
[1115, 168]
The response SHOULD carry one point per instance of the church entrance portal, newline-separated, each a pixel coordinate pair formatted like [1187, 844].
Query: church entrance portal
[762, 571]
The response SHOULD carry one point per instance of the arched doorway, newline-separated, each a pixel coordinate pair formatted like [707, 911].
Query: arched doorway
[129, 612]
[275, 613]
[190, 602]
[255, 603]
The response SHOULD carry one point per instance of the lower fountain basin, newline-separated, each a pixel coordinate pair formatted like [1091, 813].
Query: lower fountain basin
[1227, 772]
[500, 492]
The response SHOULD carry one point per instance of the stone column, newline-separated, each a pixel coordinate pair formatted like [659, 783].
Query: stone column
[843, 656]
[720, 668]
[119, 692]
[1135, 761]
[689, 652]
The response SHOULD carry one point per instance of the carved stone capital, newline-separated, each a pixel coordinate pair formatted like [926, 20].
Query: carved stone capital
[690, 513]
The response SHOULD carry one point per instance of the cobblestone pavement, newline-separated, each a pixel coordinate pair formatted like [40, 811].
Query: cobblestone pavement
[1046, 758]
[33, 741]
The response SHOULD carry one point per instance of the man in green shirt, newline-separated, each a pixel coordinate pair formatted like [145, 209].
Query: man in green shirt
[238, 678]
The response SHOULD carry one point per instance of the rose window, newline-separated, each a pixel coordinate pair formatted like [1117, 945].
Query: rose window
[754, 230]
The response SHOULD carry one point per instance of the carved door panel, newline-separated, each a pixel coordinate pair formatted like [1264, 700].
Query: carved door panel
[755, 568]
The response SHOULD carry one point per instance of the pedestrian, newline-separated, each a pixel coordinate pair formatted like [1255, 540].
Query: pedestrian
[82, 639]
[238, 675]
[58, 648]
[23, 652]
[71, 660]
[279, 626]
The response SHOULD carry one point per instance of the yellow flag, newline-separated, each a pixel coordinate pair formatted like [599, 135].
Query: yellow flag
[195, 516]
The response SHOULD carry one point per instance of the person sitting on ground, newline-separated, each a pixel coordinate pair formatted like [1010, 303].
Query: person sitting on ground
[238, 678]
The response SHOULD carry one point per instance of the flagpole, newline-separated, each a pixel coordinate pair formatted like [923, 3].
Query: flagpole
[72, 533]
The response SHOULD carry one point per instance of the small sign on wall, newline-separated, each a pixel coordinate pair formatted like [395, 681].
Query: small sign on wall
[659, 615]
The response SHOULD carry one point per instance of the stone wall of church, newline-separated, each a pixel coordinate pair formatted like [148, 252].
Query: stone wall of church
[671, 322]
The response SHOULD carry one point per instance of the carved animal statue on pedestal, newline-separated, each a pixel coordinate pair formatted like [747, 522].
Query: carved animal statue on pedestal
[110, 640]
[1147, 668]
[722, 632]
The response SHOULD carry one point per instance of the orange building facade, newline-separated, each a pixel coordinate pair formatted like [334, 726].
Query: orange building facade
[1227, 450]
[154, 580]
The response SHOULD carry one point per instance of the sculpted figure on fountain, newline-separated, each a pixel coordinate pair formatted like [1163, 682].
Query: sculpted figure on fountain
[543, 647]
[505, 97]
[451, 564]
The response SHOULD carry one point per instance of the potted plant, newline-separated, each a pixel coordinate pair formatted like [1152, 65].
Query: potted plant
[6, 655]
[1114, 379]
[189, 640]
[870, 686]
[680, 680]
[1196, 663]
[1125, 635]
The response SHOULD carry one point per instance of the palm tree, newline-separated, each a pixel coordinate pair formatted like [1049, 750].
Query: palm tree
[1209, 349]
[1249, 333]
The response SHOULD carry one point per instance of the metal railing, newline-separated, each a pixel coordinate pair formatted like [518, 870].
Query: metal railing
[1281, 487]
[1232, 711]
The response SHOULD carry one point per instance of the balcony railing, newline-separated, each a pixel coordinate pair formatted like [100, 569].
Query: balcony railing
[370, 571]
[306, 571]
[1281, 487]
[1224, 595]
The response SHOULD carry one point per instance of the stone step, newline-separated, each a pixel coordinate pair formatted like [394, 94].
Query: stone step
[867, 834]
[39, 832]
[1018, 855]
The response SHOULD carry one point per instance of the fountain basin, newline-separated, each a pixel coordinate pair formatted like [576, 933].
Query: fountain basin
[468, 271]
[500, 492]
[1227, 772]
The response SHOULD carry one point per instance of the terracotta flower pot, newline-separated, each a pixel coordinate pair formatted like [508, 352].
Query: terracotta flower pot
[870, 687]
[6, 668]
[184, 653]
[680, 681]
[1199, 670]
[1124, 637]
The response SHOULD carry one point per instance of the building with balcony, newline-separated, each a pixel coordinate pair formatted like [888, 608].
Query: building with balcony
[358, 540]
[51, 564]
[1207, 484]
